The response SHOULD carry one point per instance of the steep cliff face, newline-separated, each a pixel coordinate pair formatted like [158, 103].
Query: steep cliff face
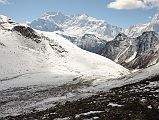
[133, 53]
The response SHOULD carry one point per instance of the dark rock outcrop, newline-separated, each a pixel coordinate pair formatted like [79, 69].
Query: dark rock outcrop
[28, 33]
[1, 44]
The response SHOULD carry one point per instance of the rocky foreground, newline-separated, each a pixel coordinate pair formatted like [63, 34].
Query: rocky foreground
[137, 101]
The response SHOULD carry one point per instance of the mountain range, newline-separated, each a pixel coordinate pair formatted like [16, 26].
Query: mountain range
[78, 25]
[75, 25]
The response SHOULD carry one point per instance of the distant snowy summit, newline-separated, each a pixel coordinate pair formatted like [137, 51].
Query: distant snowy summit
[76, 25]
[137, 30]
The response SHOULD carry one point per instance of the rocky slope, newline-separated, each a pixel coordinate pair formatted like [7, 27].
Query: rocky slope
[133, 53]
[88, 42]
[129, 102]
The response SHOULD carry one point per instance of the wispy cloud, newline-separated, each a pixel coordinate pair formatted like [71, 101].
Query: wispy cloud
[133, 4]
[4, 2]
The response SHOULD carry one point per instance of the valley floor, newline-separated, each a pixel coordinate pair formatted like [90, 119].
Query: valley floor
[136, 101]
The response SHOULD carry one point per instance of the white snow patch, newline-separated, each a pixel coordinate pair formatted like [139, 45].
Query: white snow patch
[131, 58]
[150, 107]
[114, 105]
[88, 113]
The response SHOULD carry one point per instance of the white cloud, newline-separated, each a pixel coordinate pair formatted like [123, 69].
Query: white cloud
[134, 4]
[3, 1]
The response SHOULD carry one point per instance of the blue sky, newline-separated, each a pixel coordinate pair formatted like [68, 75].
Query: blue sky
[28, 10]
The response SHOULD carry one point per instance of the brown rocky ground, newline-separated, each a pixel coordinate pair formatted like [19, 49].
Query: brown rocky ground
[137, 101]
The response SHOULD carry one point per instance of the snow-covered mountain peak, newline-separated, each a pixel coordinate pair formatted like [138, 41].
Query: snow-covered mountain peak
[6, 22]
[84, 17]
[48, 22]
[53, 13]
[121, 37]
[155, 18]
[137, 30]
[4, 18]
[56, 17]
[75, 25]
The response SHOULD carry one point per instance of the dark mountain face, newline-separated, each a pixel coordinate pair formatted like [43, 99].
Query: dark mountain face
[133, 53]
[88, 42]
[116, 48]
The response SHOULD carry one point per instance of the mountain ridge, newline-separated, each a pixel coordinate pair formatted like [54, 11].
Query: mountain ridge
[139, 52]
[137, 30]
[75, 25]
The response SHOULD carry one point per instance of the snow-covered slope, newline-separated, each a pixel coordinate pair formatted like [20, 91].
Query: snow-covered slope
[23, 51]
[137, 30]
[75, 25]
[85, 62]
[6, 22]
